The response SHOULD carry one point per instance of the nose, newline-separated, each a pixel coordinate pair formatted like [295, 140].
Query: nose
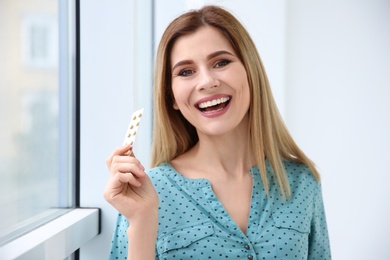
[207, 80]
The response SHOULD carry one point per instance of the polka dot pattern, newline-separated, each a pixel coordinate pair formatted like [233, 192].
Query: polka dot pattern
[193, 223]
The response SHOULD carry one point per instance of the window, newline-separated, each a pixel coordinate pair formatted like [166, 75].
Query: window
[39, 40]
[37, 114]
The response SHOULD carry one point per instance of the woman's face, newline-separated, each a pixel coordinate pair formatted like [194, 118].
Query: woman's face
[209, 82]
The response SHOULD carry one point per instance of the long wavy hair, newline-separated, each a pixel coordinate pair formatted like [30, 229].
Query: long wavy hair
[173, 135]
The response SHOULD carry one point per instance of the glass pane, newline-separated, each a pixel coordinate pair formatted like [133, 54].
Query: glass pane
[33, 186]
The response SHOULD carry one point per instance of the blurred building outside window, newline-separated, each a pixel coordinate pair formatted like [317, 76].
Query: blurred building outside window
[36, 95]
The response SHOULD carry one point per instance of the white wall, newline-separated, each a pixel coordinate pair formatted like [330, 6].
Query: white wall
[115, 67]
[338, 109]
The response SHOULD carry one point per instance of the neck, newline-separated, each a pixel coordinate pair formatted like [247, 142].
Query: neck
[229, 155]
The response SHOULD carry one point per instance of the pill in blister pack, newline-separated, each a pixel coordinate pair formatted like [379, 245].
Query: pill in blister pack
[132, 128]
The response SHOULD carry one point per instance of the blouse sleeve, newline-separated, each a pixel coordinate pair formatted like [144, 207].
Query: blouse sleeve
[319, 247]
[119, 239]
[119, 243]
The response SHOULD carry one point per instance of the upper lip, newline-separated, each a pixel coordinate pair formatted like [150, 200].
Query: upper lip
[215, 99]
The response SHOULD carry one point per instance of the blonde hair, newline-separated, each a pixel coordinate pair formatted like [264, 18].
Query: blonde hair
[173, 134]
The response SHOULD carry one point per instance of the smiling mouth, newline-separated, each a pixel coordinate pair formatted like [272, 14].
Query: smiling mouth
[214, 105]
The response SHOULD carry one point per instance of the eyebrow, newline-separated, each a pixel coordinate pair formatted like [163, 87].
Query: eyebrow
[210, 56]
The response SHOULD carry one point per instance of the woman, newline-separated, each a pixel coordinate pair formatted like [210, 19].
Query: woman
[228, 181]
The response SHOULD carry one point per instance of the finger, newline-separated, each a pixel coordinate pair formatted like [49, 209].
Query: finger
[128, 167]
[127, 164]
[118, 151]
[128, 178]
[118, 184]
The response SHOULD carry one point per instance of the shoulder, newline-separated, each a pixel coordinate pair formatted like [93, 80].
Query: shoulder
[160, 172]
[163, 175]
[299, 172]
[305, 191]
[300, 179]
[302, 182]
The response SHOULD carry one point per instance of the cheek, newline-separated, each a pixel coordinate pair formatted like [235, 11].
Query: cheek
[181, 94]
[246, 95]
[174, 97]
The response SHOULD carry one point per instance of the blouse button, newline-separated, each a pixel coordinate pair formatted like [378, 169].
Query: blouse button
[250, 257]
[247, 247]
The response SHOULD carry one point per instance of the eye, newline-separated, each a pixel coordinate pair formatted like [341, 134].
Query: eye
[222, 63]
[185, 72]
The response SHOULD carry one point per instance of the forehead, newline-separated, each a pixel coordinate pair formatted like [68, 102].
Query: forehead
[203, 41]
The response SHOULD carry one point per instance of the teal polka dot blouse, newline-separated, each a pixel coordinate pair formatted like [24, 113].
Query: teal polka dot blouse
[193, 224]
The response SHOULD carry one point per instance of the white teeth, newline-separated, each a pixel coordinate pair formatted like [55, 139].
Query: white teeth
[213, 102]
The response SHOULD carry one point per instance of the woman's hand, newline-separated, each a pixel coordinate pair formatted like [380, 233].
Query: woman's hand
[129, 189]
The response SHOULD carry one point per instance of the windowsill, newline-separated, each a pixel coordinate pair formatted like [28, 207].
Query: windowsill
[16, 230]
[56, 239]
